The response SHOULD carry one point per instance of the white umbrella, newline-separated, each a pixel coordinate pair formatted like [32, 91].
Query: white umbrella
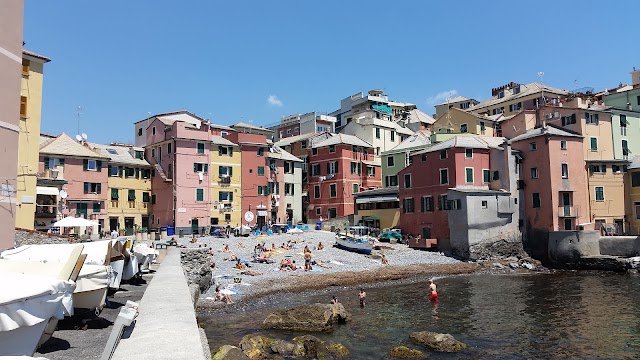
[71, 221]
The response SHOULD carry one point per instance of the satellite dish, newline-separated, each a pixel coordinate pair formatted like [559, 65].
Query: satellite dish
[84, 136]
[63, 194]
[78, 137]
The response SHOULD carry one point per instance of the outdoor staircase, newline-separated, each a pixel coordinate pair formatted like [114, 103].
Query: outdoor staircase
[162, 174]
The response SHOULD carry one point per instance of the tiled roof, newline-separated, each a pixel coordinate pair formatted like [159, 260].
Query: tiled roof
[335, 139]
[279, 153]
[64, 145]
[389, 190]
[292, 139]
[247, 126]
[635, 162]
[525, 90]
[219, 140]
[119, 154]
[455, 100]
[547, 130]
[469, 142]
[416, 115]
[418, 139]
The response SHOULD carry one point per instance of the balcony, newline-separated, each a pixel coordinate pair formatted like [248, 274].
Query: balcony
[46, 211]
[567, 211]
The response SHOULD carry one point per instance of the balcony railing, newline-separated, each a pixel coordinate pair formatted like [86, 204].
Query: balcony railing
[567, 211]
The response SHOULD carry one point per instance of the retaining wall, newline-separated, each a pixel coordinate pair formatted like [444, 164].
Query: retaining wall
[31, 237]
[569, 246]
[624, 246]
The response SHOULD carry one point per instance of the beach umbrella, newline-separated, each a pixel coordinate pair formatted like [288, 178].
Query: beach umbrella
[71, 221]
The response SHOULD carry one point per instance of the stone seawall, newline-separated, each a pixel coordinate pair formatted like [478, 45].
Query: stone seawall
[197, 269]
[31, 237]
[624, 246]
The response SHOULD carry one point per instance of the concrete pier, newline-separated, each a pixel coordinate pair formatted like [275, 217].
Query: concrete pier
[166, 326]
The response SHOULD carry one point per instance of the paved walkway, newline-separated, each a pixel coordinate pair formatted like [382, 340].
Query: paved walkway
[166, 327]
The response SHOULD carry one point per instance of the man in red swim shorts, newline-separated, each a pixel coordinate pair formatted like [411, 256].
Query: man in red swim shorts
[433, 294]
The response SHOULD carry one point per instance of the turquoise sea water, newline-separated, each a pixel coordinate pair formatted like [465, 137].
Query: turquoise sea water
[543, 316]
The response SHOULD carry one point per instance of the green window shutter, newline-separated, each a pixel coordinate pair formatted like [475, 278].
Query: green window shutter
[85, 164]
[230, 151]
[99, 188]
[469, 173]
[96, 207]
[328, 168]
[206, 168]
[132, 195]
[153, 198]
[219, 170]
[219, 150]
[120, 171]
[99, 165]
[199, 195]
[230, 196]
[137, 173]
[219, 195]
[61, 162]
[145, 197]
[115, 194]
[86, 188]
[604, 168]
[195, 167]
[46, 163]
[230, 171]
[109, 170]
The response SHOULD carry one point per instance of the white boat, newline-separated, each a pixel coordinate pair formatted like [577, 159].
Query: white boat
[356, 240]
[27, 305]
[145, 256]
[94, 277]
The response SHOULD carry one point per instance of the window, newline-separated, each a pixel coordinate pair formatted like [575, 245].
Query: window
[638, 100]
[92, 188]
[129, 172]
[486, 176]
[599, 193]
[377, 133]
[131, 195]
[96, 207]
[153, 152]
[200, 148]
[355, 188]
[355, 168]
[635, 179]
[371, 171]
[565, 171]
[594, 143]
[623, 125]
[464, 128]
[468, 153]
[332, 167]
[296, 129]
[81, 210]
[225, 171]
[225, 196]
[288, 189]
[288, 167]
[318, 211]
[262, 190]
[498, 111]
[332, 213]
[170, 171]
[153, 130]
[443, 204]
[615, 169]
[484, 204]
[153, 198]
[563, 145]
[23, 107]
[455, 204]
[315, 170]
[533, 146]
[199, 194]
[115, 194]
[407, 205]
[139, 155]
[534, 172]
[501, 94]
[390, 160]
[443, 154]
[303, 144]
[288, 131]
[468, 175]
[354, 149]
[314, 151]
[598, 169]
[407, 181]
[91, 165]
[260, 170]
[515, 107]
[636, 206]
[260, 151]
[392, 134]
[591, 118]
[200, 167]
[140, 132]
[392, 180]
[625, 149]
[333, 190]
[113, 171]
[145, 197]
[332, 148]
[426, 204]
[568, 120]
[536, 200]
[444, 176]
[316, 192]
[483, 127]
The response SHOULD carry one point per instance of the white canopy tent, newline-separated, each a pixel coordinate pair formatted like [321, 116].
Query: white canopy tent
[71, 221]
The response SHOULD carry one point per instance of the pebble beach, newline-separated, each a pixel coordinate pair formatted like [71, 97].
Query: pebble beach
[334, 266]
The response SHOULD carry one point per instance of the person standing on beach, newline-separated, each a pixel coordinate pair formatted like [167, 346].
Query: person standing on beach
[363, 297]
[433, 294]
[307, 260]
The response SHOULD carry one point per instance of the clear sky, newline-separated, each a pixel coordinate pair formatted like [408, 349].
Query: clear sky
[256, 61]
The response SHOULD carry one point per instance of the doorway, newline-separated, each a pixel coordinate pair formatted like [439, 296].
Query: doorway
[113, 224]
[194, 226]
[128, 226]
[568, 224]
[145, 223]
[619, 226]
[566, 204]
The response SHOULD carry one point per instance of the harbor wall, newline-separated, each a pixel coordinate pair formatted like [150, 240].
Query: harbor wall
[624, 246]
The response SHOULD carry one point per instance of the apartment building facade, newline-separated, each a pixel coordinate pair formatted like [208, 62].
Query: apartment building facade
[11, 20]
[300, 124]
[458, 102]
[399, 157]
[226, 180]
[513, 97]
[377, 129]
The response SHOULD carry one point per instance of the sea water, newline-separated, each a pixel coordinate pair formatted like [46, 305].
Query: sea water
[581, 315]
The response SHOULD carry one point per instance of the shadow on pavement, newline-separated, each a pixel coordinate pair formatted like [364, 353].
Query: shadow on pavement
[53, 344]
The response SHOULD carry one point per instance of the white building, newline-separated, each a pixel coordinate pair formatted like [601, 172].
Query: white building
[353, 105]
[377, 129]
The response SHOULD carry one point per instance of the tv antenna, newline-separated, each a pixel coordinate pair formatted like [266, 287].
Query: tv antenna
[78, 113]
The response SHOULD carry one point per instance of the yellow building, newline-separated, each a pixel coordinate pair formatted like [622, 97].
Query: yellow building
[29, 139]
[226, 190]
[129, 198]
[633, 197]
[457, 121]
[512, 98]
[379, 208]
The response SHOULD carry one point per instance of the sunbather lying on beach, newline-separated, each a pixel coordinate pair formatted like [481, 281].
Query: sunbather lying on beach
[222, 297]
[251, 273]
[226, 248]
[288, 265]
[231, 258]
[320, 246]
[285, 247]
[239, 265]
[314, 263]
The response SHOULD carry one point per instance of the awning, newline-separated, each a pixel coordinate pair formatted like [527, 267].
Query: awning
[262, 213]
[47, 190]
[372, 217]
[367, 200]
[370, 163]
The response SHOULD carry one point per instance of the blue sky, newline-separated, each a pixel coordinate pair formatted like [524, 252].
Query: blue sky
[259, 60]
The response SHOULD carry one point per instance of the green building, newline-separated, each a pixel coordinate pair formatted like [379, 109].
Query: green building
[398, 157]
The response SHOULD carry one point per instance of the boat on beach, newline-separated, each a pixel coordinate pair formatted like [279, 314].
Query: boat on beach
[356, 239]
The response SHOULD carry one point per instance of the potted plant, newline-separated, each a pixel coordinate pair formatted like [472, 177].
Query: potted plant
[138, 232]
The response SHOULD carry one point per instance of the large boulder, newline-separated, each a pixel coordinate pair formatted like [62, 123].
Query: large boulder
[313, 317]
[403, 352]
[256, 346]
[228, 352]
[195, 263]
[438, 342]
[315, 348]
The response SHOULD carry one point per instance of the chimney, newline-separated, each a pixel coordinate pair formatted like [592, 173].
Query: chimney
[635, 77]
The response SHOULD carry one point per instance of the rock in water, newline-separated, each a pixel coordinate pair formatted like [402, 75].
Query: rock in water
[403, 352]
[256, 346]
[315, 348]
[313, 317]
[438, 342]
[228, 352]
[513, 265]
[528, 265]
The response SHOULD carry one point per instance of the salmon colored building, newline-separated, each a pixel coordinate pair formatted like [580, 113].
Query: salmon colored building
[340, 165]
[460, 162]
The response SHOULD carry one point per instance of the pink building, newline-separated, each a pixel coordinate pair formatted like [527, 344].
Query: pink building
[11, 18]
[178, 150]
[85, 171]
[460, 162]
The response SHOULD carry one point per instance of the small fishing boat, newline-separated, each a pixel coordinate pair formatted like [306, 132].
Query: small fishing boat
[356, 239]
